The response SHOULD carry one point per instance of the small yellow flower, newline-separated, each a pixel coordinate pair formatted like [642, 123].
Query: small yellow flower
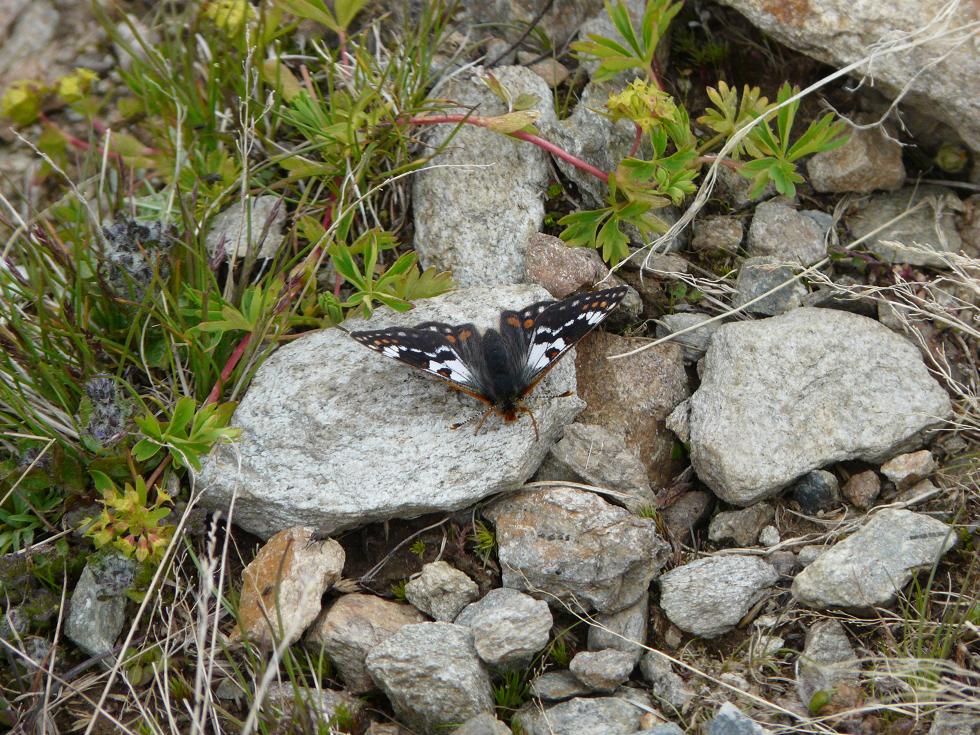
[22, 101]
[76, 85]
[642, 103]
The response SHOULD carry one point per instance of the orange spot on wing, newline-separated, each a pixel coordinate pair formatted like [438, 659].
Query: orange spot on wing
[451, 339]
[465, 335]
[513, 321]
[528, 323]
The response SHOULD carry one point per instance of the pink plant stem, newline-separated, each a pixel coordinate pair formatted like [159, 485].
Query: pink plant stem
[638, 138]
[529, 137]
[727, 163]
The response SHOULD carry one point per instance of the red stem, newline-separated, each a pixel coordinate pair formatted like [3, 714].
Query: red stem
[638, 138]
[728, 163]
[529, 137]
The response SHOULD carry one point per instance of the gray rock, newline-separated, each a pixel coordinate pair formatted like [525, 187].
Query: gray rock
[576, 546]
[826, 662]
[441, 591]
[717, 233]
[470, 218]
[741, 526]
[861, 489]
[602, 671]
[252, 227]
[780, 231]
[868, 568]
[729, 720]
[785, 562]
[708, 597]
[560, 269]
[625, 630]
[916, 494]
[952, 722]
[761, 274]
[668, 729]
[665, 685]
[557, 686]
[688, 513]
[484, 724]
[769, 536]
[509, 627]
[695, 342]
[351, 627]
[869, 160]
[783, 396]
[432, 676]
[919, 236]
[591, 454]
[942, 85]
[330, 426]
[581, 716]
[679, 422]
[98, 604]
[816, 491]
[808, 554]
[558, 24]
[906, 470]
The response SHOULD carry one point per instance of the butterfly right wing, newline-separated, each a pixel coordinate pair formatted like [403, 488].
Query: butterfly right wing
[442, 350]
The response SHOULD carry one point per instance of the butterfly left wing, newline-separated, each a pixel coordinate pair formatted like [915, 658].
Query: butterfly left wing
[438, 349]
[558, 326]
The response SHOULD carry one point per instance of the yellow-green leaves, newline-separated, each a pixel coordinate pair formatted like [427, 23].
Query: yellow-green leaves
[729, 114]
[129, 522]
[643, 104]
[229, 16]
[22, 101]
[74, 86]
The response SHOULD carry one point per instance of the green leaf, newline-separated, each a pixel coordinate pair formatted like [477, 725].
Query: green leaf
[347, 9]
[581, 228]
[614, 244]
[311, 10]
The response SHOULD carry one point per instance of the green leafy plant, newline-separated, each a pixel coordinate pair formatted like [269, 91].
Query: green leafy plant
[418, 548]
[779, 154]
[188, 435]
[640, 186]
[129, 521]
[640, 46]
[511, 691]
[398, 590]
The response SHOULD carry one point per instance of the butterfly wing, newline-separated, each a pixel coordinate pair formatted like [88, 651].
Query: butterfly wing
[448, 352]
[557, 327]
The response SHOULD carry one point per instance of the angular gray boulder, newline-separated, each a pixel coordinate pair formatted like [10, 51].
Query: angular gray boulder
[783, 396]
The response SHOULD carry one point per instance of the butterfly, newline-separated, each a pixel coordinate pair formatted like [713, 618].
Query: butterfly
[498, 366]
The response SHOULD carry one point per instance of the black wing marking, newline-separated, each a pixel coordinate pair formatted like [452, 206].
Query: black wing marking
[517, 330]
[439, 349]
[560, 325]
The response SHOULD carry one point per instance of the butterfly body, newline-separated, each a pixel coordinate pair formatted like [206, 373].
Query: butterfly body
[498, 366]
